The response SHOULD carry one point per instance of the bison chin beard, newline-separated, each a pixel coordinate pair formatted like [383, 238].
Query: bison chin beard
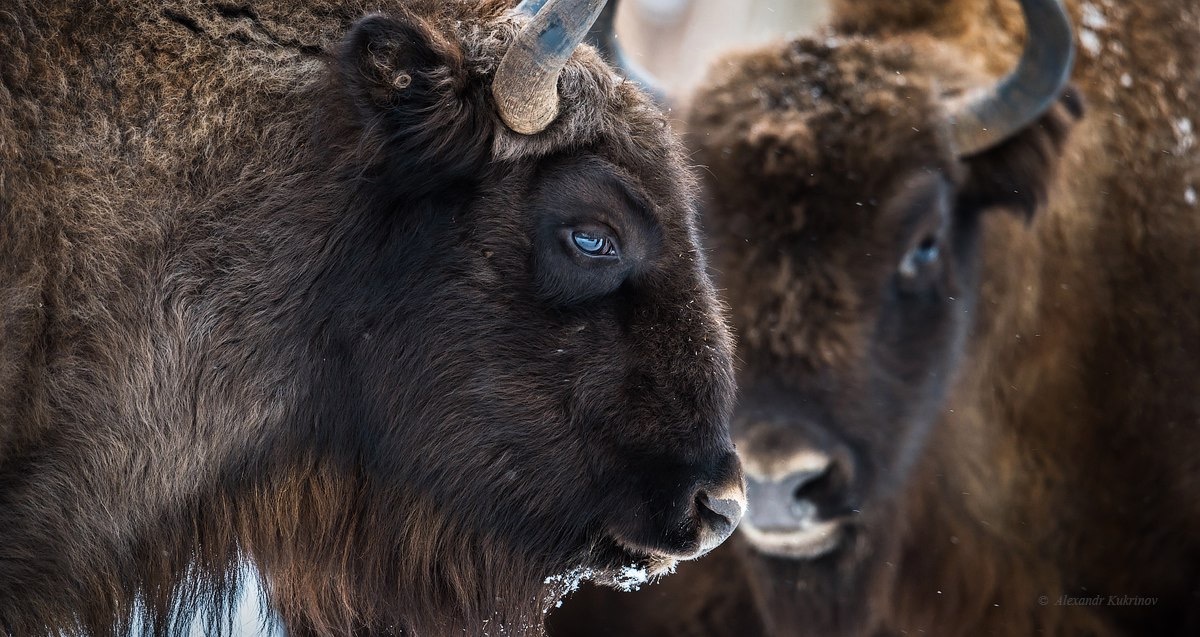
[825, 594]
[617, 562]
[610, 564]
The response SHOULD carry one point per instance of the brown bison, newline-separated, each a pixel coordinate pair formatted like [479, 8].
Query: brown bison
[970, 395]
[406, 310]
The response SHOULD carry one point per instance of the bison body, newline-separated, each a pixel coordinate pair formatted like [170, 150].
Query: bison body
[277, 284]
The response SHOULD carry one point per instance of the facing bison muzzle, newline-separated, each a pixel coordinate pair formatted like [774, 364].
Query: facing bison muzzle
[413, 323]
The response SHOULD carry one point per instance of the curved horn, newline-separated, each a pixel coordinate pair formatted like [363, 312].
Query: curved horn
[526, 83]
[604, 37]
[997, 113]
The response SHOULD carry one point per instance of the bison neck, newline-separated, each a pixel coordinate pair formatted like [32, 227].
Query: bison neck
[174, 423]
[198, 438]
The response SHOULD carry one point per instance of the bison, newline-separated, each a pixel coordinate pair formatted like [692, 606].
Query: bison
[969, 391]
[403, 308]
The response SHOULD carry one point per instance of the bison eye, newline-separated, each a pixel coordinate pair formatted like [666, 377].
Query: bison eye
[921, 259]
[594, 244]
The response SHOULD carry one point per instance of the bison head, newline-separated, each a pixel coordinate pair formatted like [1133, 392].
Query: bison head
[519, 348]
[849, 179]
[420, 326]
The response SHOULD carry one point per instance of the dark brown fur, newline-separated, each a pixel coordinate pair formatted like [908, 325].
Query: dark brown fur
[1064, 459]
[276, 286]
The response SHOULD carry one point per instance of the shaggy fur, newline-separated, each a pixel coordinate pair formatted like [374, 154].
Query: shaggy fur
[276, 285]
[1052, 453]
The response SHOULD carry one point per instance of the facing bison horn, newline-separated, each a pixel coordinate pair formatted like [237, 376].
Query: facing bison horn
[526, 83]
[991, 116]
[604, 37]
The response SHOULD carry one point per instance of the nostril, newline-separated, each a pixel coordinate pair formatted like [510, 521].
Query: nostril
[796, 493]
[810, 484]
[729, 509]
[718, 515]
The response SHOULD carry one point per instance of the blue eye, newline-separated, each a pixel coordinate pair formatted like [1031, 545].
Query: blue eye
[927, 252]
[920, 258]
[593, 245]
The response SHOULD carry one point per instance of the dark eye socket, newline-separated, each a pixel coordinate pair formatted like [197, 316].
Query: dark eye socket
[594, 243]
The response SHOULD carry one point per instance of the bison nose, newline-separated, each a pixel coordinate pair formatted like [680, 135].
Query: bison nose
[719, 502]
[786, 502]
[719, 514]
[787, 498]
[786, 517]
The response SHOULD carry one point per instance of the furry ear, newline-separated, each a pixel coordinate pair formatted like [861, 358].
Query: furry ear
[409, 87]
[1017, 174]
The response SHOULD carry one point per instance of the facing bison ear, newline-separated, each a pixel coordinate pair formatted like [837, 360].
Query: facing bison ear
[410, 91]
[1017, 174]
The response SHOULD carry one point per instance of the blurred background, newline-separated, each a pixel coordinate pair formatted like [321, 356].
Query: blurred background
[676, 40]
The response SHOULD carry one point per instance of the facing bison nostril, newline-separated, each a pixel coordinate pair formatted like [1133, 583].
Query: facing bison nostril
[806, 485]
[792, 493]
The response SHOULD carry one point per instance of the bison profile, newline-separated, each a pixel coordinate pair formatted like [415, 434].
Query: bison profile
[969, 391]
[404, 309]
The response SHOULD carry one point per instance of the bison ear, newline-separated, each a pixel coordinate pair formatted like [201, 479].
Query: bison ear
[410, 91]
[1017, 174]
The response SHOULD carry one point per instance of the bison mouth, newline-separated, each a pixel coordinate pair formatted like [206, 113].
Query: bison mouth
[656, 528]
[625, 567]
[810, 540]
[617, 561]
[685, 533]
[613, 565]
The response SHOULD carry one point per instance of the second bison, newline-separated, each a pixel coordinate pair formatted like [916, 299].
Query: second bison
[970, 392]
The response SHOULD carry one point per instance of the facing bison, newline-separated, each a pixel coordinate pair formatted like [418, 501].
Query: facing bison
[969, 395]
[269, 296]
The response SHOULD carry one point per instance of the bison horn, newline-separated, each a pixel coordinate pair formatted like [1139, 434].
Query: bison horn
[991, 116]
[530, 7]
[526, 83]
[604, 37]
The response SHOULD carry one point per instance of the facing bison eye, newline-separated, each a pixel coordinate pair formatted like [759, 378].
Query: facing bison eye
[921, 259]
[594, 244]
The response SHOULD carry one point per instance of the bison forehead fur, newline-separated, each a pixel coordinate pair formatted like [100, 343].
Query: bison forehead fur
[277, 284]
[814, 132]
